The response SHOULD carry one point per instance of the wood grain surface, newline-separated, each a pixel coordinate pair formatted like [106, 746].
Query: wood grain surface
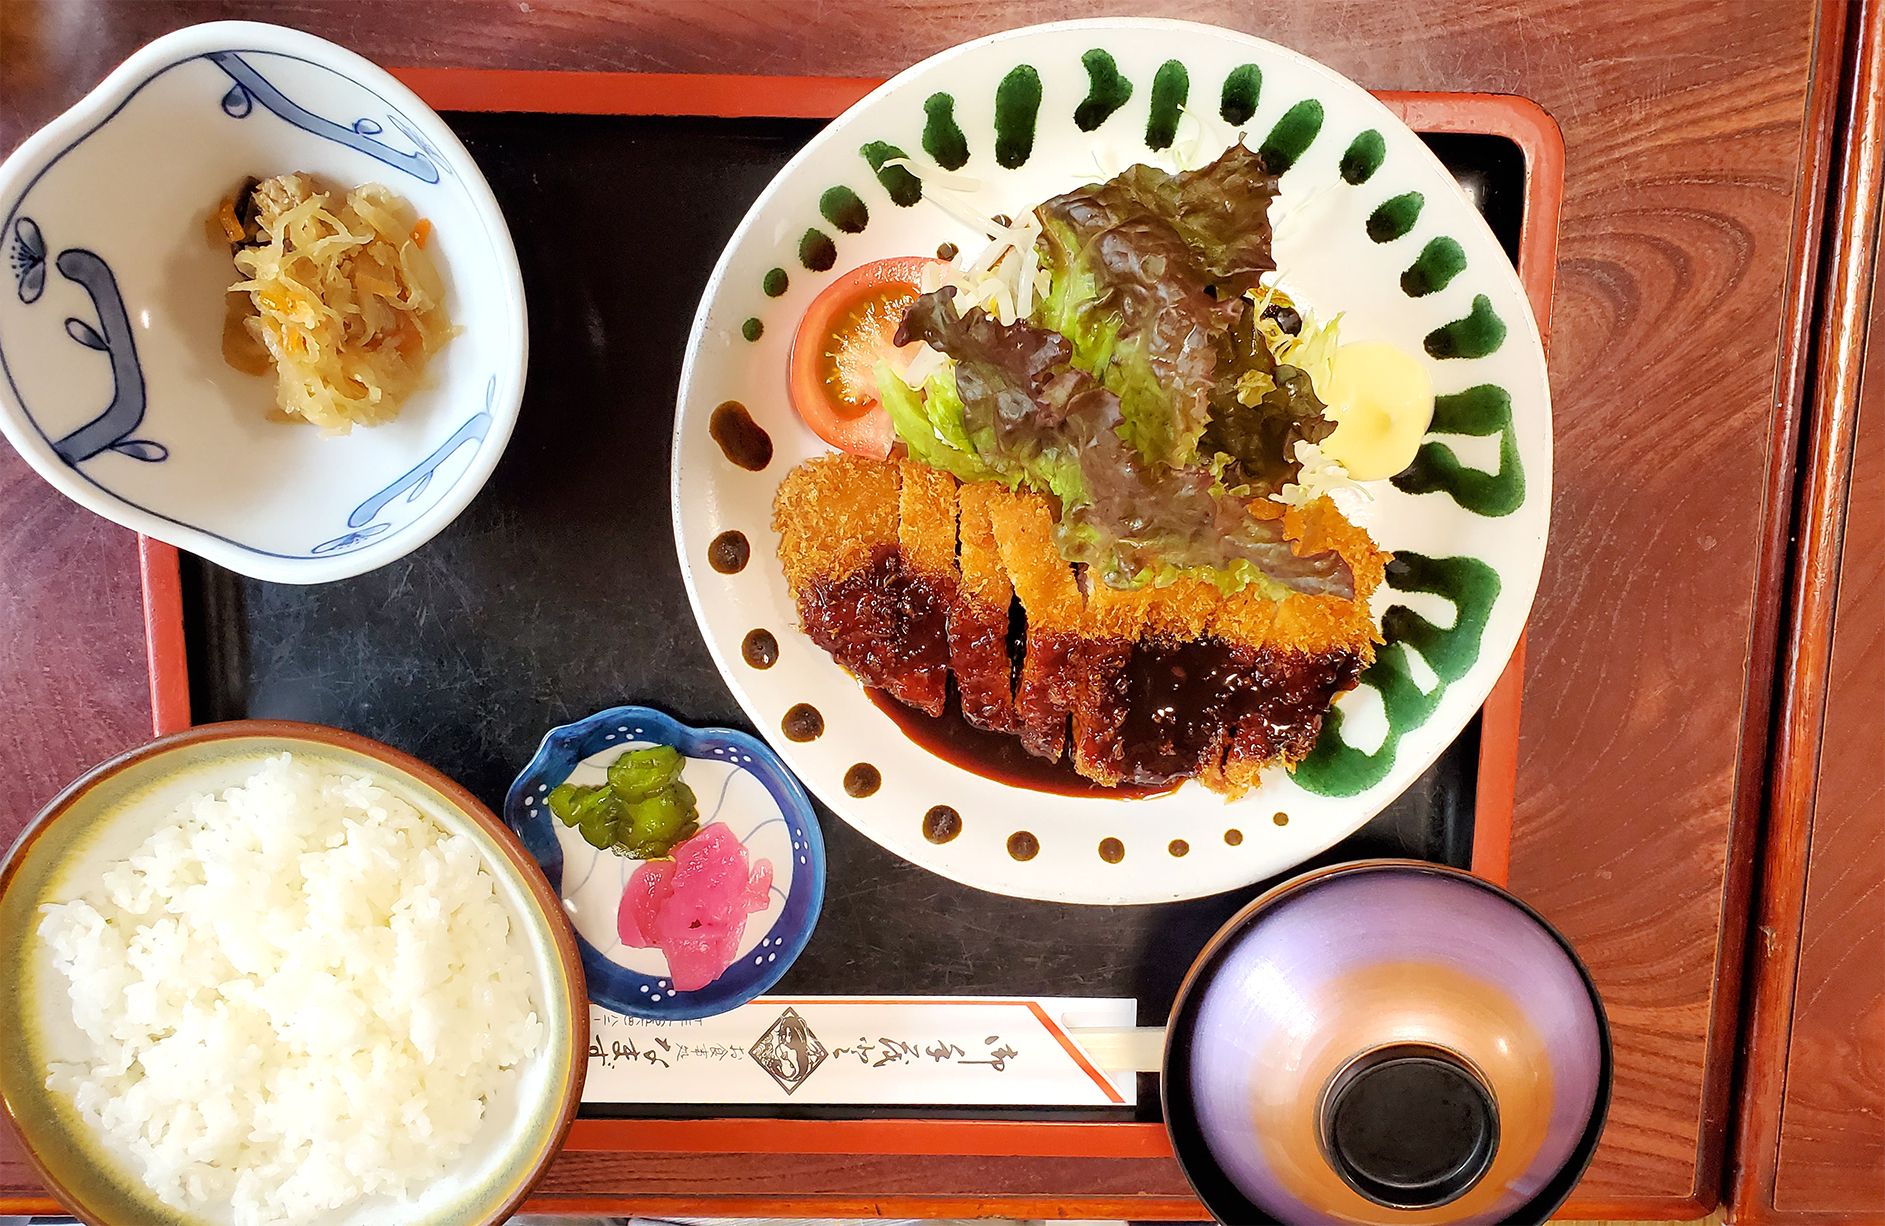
[1832, 1126]
[1810, 1145]
[1695, 143]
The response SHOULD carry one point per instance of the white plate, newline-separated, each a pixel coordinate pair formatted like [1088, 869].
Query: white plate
[1468, 527]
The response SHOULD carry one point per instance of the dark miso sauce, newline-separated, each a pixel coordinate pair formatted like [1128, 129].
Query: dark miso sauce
[729, 552]
[941, 824]
[760, 649]
[862, 780]
[994, 755]
[741, 438]
[802, 723]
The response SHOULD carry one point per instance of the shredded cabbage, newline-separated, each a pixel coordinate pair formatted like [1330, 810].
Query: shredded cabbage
[1311, 350]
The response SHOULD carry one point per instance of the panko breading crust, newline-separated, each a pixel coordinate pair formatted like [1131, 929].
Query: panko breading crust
[1093, 656]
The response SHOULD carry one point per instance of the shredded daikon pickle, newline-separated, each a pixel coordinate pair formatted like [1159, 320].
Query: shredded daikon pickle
[346, 301]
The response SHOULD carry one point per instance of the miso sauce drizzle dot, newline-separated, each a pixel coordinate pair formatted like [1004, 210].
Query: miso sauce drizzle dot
[802, 723]
[729, 552]
[760, 649]
[862, 780]
[941, 824]
[741, 439]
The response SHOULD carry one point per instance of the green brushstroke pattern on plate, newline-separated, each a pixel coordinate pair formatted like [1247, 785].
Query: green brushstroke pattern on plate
[1480, 411]
[1017, 106]
[1238, 101]
[1292, 135]
[905, 188]
[1107, 91]
[1336, 768]
[1171, 84]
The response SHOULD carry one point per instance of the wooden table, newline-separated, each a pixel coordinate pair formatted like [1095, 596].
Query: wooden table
[1699, 142]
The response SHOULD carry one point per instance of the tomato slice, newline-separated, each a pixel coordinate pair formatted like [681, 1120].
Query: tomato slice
[845, 332]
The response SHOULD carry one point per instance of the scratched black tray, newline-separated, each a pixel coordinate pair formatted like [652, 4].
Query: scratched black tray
[557, 593]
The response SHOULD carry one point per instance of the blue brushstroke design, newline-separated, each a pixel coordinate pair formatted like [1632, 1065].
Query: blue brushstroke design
[238, 102]
[420, 142]
[761, 826]
[142, 449]
[29, 259]
[81, 332]
[255, 87]
[126, 410]
[414, 482]
[473, 431]
[350, 540]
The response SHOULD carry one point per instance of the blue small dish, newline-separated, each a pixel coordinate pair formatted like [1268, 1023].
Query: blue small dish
[740, 782]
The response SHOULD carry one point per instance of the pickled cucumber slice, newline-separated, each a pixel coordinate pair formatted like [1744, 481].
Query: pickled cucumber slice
[642, 812]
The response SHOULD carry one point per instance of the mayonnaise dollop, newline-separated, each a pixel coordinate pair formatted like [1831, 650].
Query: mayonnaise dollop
[1381, 401]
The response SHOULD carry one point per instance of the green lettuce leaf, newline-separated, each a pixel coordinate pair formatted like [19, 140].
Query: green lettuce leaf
[928, 441]
[1120, 394]
[1146, 275]
[1260, 410]
[1029, 415]
[1221, 213]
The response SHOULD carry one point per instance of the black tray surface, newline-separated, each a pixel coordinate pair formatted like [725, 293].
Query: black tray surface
[557, 592]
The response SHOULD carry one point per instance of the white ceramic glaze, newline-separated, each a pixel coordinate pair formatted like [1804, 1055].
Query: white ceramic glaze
[132, 412]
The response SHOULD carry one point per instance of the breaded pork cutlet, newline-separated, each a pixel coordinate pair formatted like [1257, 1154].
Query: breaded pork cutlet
[832, 514]
[838, 521]
[1221, 686]
[926, 546]
[901, 574]
[1107, 690]
[1313, 648]
[1023, 527]
[926, 521]
[978, 621]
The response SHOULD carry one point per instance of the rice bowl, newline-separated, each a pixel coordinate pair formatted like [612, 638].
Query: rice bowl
[400, 882]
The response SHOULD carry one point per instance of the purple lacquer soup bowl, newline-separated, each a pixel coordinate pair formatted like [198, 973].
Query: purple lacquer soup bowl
[1386, 1042]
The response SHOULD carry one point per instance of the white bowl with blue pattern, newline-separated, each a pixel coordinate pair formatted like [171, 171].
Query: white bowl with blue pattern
[112, 381]
[739, 782]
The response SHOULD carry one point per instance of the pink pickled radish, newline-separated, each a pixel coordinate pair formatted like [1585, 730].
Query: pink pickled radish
[693, 908]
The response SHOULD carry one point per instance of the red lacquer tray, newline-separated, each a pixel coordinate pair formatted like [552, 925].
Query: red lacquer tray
[754, 1167]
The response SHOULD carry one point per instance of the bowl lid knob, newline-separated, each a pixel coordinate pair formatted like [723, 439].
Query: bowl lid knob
[1409, 1126]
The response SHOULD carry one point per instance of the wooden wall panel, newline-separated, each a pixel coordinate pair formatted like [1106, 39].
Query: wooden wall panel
[1810, 1144]
[1832, 1123]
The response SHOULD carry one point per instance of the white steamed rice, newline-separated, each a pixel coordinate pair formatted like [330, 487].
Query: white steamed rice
[297, 994]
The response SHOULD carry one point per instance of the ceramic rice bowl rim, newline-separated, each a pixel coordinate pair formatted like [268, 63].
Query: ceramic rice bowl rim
[614, 986]
[517, 863]
[36, 155]
[1222, 1198]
